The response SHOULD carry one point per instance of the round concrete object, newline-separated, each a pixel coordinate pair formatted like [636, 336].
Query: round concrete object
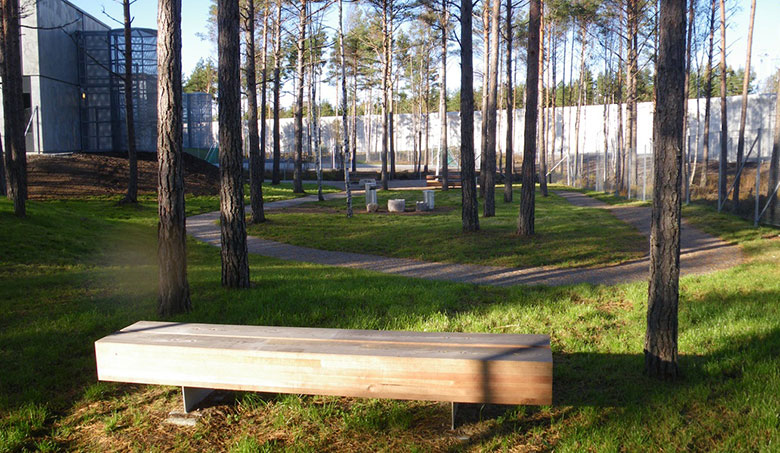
[397, 205]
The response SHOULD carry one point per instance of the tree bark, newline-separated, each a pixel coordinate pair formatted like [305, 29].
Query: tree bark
[663, 292]
[276, 176]
[542, 138]
[390, 106]
[509, 104]
[631, 75]
[724, 129]
[580, 96]
[525, 220]
[489, 208]
[4, 189]
[484, 112]
[469, 206]
[255, 161]
[298, 120]
[174, 291]
[774, 165]
[344, 110]
[443, 151]
[686, 149]
[743, 113]
[263, 106]
[707, 101]
[235, 264]
[132, 157]
[13, 108]
[385, 89]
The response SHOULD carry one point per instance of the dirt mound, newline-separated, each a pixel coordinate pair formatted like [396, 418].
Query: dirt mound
[90, 174]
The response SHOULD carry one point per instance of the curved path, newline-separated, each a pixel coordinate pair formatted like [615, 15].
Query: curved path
[701, 253]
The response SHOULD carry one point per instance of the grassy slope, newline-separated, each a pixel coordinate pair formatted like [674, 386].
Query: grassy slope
[77, 270]
[567, 236]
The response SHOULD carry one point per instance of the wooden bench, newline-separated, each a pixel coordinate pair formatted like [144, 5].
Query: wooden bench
[434, 366]
[361, 182]
[453, 180]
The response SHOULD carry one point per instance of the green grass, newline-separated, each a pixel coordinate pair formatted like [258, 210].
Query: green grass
[566, 236]
[74, 271]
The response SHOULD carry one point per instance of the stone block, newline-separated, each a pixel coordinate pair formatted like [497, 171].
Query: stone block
[396, 205]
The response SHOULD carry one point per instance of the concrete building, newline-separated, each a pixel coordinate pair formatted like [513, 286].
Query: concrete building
[72, 65]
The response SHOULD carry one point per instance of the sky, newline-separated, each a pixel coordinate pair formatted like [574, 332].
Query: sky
[766, 34]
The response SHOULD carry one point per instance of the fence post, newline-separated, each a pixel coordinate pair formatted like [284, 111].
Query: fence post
[758, 184]
[644, 175]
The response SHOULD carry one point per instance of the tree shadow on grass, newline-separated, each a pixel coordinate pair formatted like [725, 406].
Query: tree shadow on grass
[599, 380]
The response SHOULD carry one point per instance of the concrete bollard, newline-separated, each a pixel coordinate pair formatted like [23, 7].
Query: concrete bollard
[370, 194]
[428, 199]
[397, 205]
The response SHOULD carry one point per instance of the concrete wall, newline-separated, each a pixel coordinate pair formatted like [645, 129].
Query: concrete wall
[58, 76]
[761, 112]
[50, 69]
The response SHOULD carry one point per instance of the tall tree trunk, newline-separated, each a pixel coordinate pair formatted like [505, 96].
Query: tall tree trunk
[4, 189]
[298, 121]
[580, 96]
[255, 162]
[276, 176]
[619, 149]
[707, 101]
[443, 151]
[263, 113]
[554, 100]
[469, 207]
[174, 291]
[385, 93]
[724, 129]
[663, 292]
[13, 108]
[542, 111]
[132, 158]
[743, 113]
[484, 112]
[353, 142]
[774, 165]
[631, 76]
[345, 142]
[235, 263]
[489, 209]
[390, 106]
[509, 104]
[563, 102]
[686, 150]
[525, 220]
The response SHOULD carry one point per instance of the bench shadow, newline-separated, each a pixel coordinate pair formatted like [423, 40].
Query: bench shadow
[617, 380]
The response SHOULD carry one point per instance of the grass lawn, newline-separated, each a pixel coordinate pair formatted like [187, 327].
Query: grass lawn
[74, 271]
[567, 236]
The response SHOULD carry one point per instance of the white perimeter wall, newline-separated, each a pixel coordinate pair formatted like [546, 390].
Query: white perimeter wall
[760, 118]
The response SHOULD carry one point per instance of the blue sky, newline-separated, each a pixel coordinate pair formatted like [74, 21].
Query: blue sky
[766, 35]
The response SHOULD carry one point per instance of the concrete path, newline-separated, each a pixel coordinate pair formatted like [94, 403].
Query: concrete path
[701, 253]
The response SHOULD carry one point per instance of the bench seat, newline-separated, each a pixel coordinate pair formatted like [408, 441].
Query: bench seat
[436, 366]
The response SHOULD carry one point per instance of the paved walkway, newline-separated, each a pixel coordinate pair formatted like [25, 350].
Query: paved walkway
[701, 253]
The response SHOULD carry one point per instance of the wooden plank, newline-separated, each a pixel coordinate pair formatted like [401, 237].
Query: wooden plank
[274, 345]
[345, 335]
[503, 382]
[470, 368]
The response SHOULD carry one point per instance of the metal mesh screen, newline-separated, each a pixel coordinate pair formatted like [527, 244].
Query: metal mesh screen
[101, 66]
[144, 56]
[197, 120]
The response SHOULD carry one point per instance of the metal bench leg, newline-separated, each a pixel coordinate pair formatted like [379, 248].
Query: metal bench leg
[192, 396]
[454, 410]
